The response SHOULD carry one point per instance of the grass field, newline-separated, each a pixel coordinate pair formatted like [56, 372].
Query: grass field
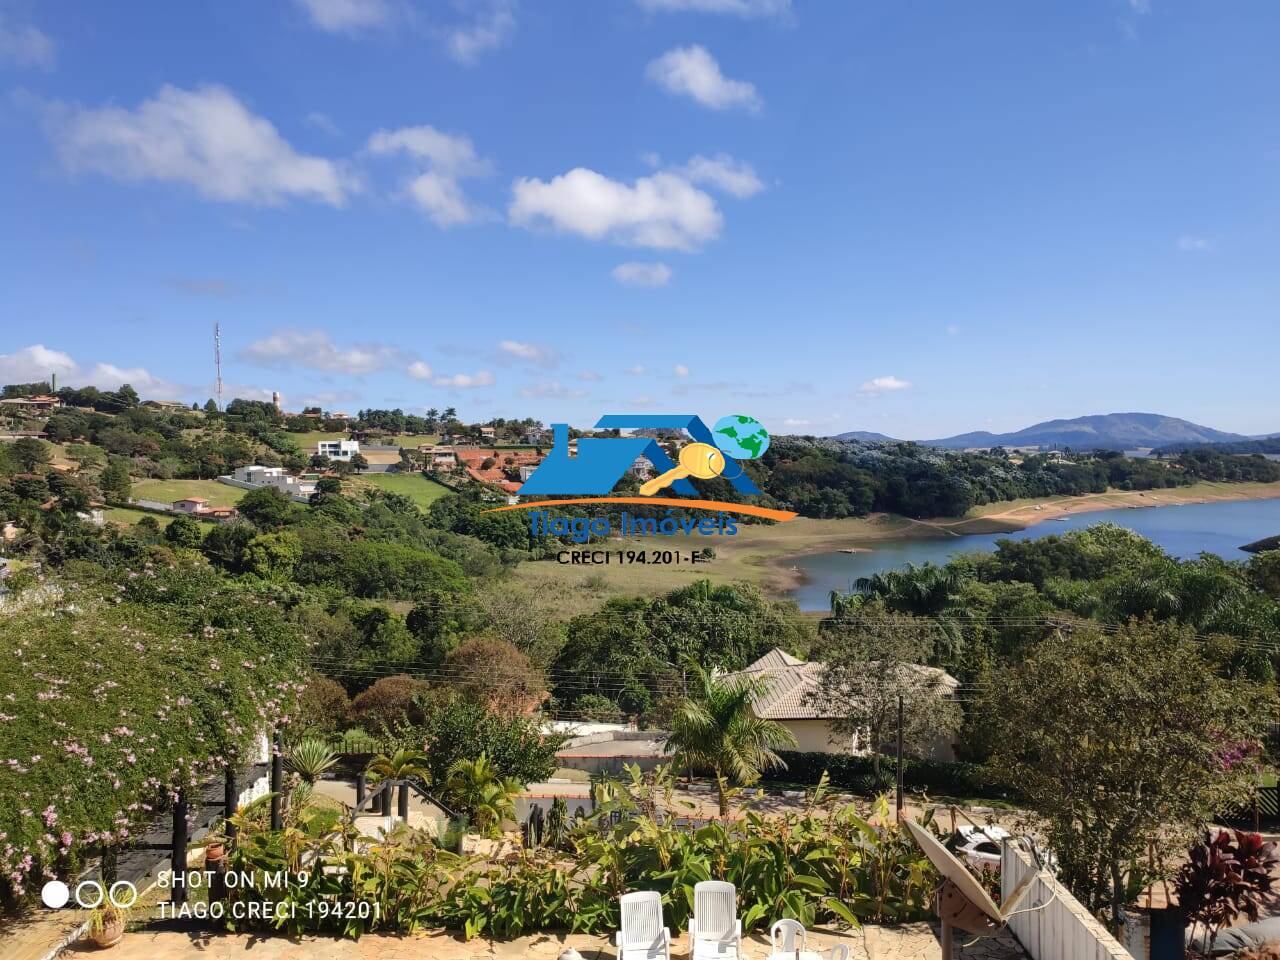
[307, 441]
[124, 517]
[422, 490]
[166, 491]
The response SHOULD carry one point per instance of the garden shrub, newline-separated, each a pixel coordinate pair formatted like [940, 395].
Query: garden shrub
[390, 701]
[856, 773]
[110, 705]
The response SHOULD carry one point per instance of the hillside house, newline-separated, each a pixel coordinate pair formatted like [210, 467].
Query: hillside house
[438, 456]
[193, 505]
[40, 403]
[489, 433]
[791, 698]
[473, 460]
[276, 477]
[341, 450]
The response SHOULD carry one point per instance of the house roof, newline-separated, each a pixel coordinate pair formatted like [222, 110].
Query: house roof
[792, 687]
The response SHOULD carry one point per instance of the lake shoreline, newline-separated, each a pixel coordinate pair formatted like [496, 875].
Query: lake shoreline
[783, 577]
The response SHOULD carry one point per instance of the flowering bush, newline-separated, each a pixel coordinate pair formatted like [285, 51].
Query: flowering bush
[114, 698]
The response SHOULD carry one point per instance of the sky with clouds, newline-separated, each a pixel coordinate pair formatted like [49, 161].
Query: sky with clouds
[914, 218]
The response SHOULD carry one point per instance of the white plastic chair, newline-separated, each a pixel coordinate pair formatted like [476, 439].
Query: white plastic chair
[643, 936]
[840, 952]
[783, 937]
[715, 929]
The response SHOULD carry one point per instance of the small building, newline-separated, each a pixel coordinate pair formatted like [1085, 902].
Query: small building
[190, 505]
[438, 456]
[168, 406]
[41, 403]
[342, 450]
[489, 433]
[791, 698]
[277, 477]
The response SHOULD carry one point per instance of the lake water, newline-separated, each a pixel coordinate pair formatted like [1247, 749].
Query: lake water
[1182, 531]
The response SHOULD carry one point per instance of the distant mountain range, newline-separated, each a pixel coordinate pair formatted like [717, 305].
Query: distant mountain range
[1110, 431]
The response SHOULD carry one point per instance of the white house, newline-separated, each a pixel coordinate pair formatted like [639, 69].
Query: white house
[342, 450]
[261, 476]
[790, 697]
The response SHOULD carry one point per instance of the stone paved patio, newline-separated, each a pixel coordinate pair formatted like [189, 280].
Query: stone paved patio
[916, 941]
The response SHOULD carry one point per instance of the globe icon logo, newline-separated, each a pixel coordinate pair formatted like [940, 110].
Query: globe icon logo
[743, 438]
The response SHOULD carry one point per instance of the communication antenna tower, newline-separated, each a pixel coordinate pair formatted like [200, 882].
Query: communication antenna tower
[217, 363]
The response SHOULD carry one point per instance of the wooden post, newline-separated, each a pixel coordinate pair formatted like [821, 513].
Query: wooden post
[361, 788]
[178, 860]
[900, 776]
[402, 809]
[277, 782]
[230, 795]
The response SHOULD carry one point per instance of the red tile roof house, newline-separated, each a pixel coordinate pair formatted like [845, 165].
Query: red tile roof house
[472, 459]
[191, 505]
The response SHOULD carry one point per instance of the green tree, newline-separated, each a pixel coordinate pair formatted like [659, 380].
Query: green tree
[115, 481]
[184, 531]
[359, 462]
[310, 758]
[1264, 571]
[267, 508]
[273, 556]
[31, 453]
[401, 765]
[455, 728]
[475, 788]
[872, 660]
[717, 729]
[1123, 742]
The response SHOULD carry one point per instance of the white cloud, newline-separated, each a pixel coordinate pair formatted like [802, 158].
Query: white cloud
[552, 388]
[642, 274]
[641, 401]
[693, 72]
[953, 329]
[343, 16]
[663, 211]
[639, 370]
[681, 370]
[740, 8]
[419, 370]
[38, 362]
[449, 158]
[531, 352]
[322, 122]
[22, 45]
[1192, 244]
[794, 422]
[883, 385]
[203, 137]
[1140, 6]
[724, 173]
[491, 24]
[465, 381]
[450, 153]
[590, 376]
[315, 350]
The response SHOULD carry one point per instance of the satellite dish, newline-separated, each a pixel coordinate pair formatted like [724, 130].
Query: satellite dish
[962, 902]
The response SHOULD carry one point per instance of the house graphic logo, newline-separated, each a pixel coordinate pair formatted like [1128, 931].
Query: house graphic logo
[601, 462]
[590, 472]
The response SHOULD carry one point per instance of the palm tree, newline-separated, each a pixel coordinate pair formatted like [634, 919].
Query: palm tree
[475, 788]
[310, 759]
[401, 765]
[717, 729]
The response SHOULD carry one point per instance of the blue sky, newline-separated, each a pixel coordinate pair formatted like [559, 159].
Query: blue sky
[917, 218]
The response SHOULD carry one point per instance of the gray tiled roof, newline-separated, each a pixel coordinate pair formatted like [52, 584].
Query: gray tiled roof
[791, 691]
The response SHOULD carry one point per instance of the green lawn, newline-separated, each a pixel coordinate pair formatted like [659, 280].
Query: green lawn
[166, 491]
[422, 490]
[125, 517]
[307, 441]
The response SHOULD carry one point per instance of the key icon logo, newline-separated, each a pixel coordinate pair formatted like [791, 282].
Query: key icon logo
[700, 460]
